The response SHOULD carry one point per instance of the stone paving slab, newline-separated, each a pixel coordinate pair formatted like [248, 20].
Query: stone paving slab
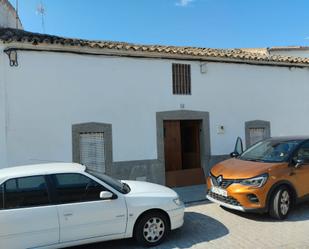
[209, 226]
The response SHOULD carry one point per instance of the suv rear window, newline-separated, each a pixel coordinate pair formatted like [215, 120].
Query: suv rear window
[25, 192]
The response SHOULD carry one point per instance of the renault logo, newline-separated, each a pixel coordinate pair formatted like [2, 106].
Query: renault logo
[219, 180]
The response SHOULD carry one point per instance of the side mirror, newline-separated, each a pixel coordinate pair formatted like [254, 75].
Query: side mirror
[299, 162]
[106, 195]
[234, 154]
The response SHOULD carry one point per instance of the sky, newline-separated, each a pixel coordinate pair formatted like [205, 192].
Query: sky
[200, 23]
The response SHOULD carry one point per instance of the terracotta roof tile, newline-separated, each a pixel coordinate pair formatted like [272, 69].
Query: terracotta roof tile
[8, 35]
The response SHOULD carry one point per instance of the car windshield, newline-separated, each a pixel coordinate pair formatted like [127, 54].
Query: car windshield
[114, 183]
[270, 151]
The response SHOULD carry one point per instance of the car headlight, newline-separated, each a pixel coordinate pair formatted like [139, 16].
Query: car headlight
[178, 202]
[257, 181]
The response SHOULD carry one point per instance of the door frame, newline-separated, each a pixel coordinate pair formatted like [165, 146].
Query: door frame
[205, 151]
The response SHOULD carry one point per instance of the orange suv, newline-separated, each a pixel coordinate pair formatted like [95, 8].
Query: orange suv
[270, 176]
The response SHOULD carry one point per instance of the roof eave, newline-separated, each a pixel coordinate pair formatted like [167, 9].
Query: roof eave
[140, 54]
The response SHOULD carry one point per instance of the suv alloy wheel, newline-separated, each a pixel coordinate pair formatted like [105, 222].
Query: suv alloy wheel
[280, 203]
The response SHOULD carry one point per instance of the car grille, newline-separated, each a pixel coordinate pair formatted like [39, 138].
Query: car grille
[229, 200]
[225, 183]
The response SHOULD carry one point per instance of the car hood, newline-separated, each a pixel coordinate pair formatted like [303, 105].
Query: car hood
[240, 169]
[139, 188]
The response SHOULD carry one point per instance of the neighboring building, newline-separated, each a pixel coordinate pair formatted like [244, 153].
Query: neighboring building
[296, 51]
[155, 113]
[289, 51]
[8, 15]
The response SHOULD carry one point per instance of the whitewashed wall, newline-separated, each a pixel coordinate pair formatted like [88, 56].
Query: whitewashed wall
[49, 92]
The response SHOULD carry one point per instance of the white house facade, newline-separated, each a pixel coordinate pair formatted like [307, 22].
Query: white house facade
[154, 113]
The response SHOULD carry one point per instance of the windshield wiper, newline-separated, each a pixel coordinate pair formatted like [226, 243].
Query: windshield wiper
[250, 159]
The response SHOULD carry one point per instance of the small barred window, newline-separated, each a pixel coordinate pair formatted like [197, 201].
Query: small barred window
[182, 79]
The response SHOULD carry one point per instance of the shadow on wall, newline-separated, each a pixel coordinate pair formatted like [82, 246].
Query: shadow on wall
[198, 228]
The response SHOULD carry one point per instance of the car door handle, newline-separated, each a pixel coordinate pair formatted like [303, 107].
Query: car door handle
[68, 214]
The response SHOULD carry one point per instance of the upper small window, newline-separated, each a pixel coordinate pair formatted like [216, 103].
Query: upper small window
[25, 192]
[181, 79]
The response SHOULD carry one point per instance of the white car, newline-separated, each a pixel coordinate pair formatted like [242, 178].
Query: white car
[63, 204]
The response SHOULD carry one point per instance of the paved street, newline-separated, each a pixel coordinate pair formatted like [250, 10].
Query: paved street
[209, 226]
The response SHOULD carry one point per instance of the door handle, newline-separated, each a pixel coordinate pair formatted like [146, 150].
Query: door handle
[68, 214]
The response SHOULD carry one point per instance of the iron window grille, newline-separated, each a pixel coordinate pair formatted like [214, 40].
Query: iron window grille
[181, 79]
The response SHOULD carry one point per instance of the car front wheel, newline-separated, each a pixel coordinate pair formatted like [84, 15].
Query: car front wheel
[281, 203]
[151, 229]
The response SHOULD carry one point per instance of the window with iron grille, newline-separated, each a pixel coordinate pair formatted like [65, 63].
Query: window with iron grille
[92, 146]
[181, 79]
[92, 150]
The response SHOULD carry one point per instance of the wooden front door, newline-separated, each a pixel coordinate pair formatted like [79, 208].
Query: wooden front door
[182, 153]
[172, 146]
